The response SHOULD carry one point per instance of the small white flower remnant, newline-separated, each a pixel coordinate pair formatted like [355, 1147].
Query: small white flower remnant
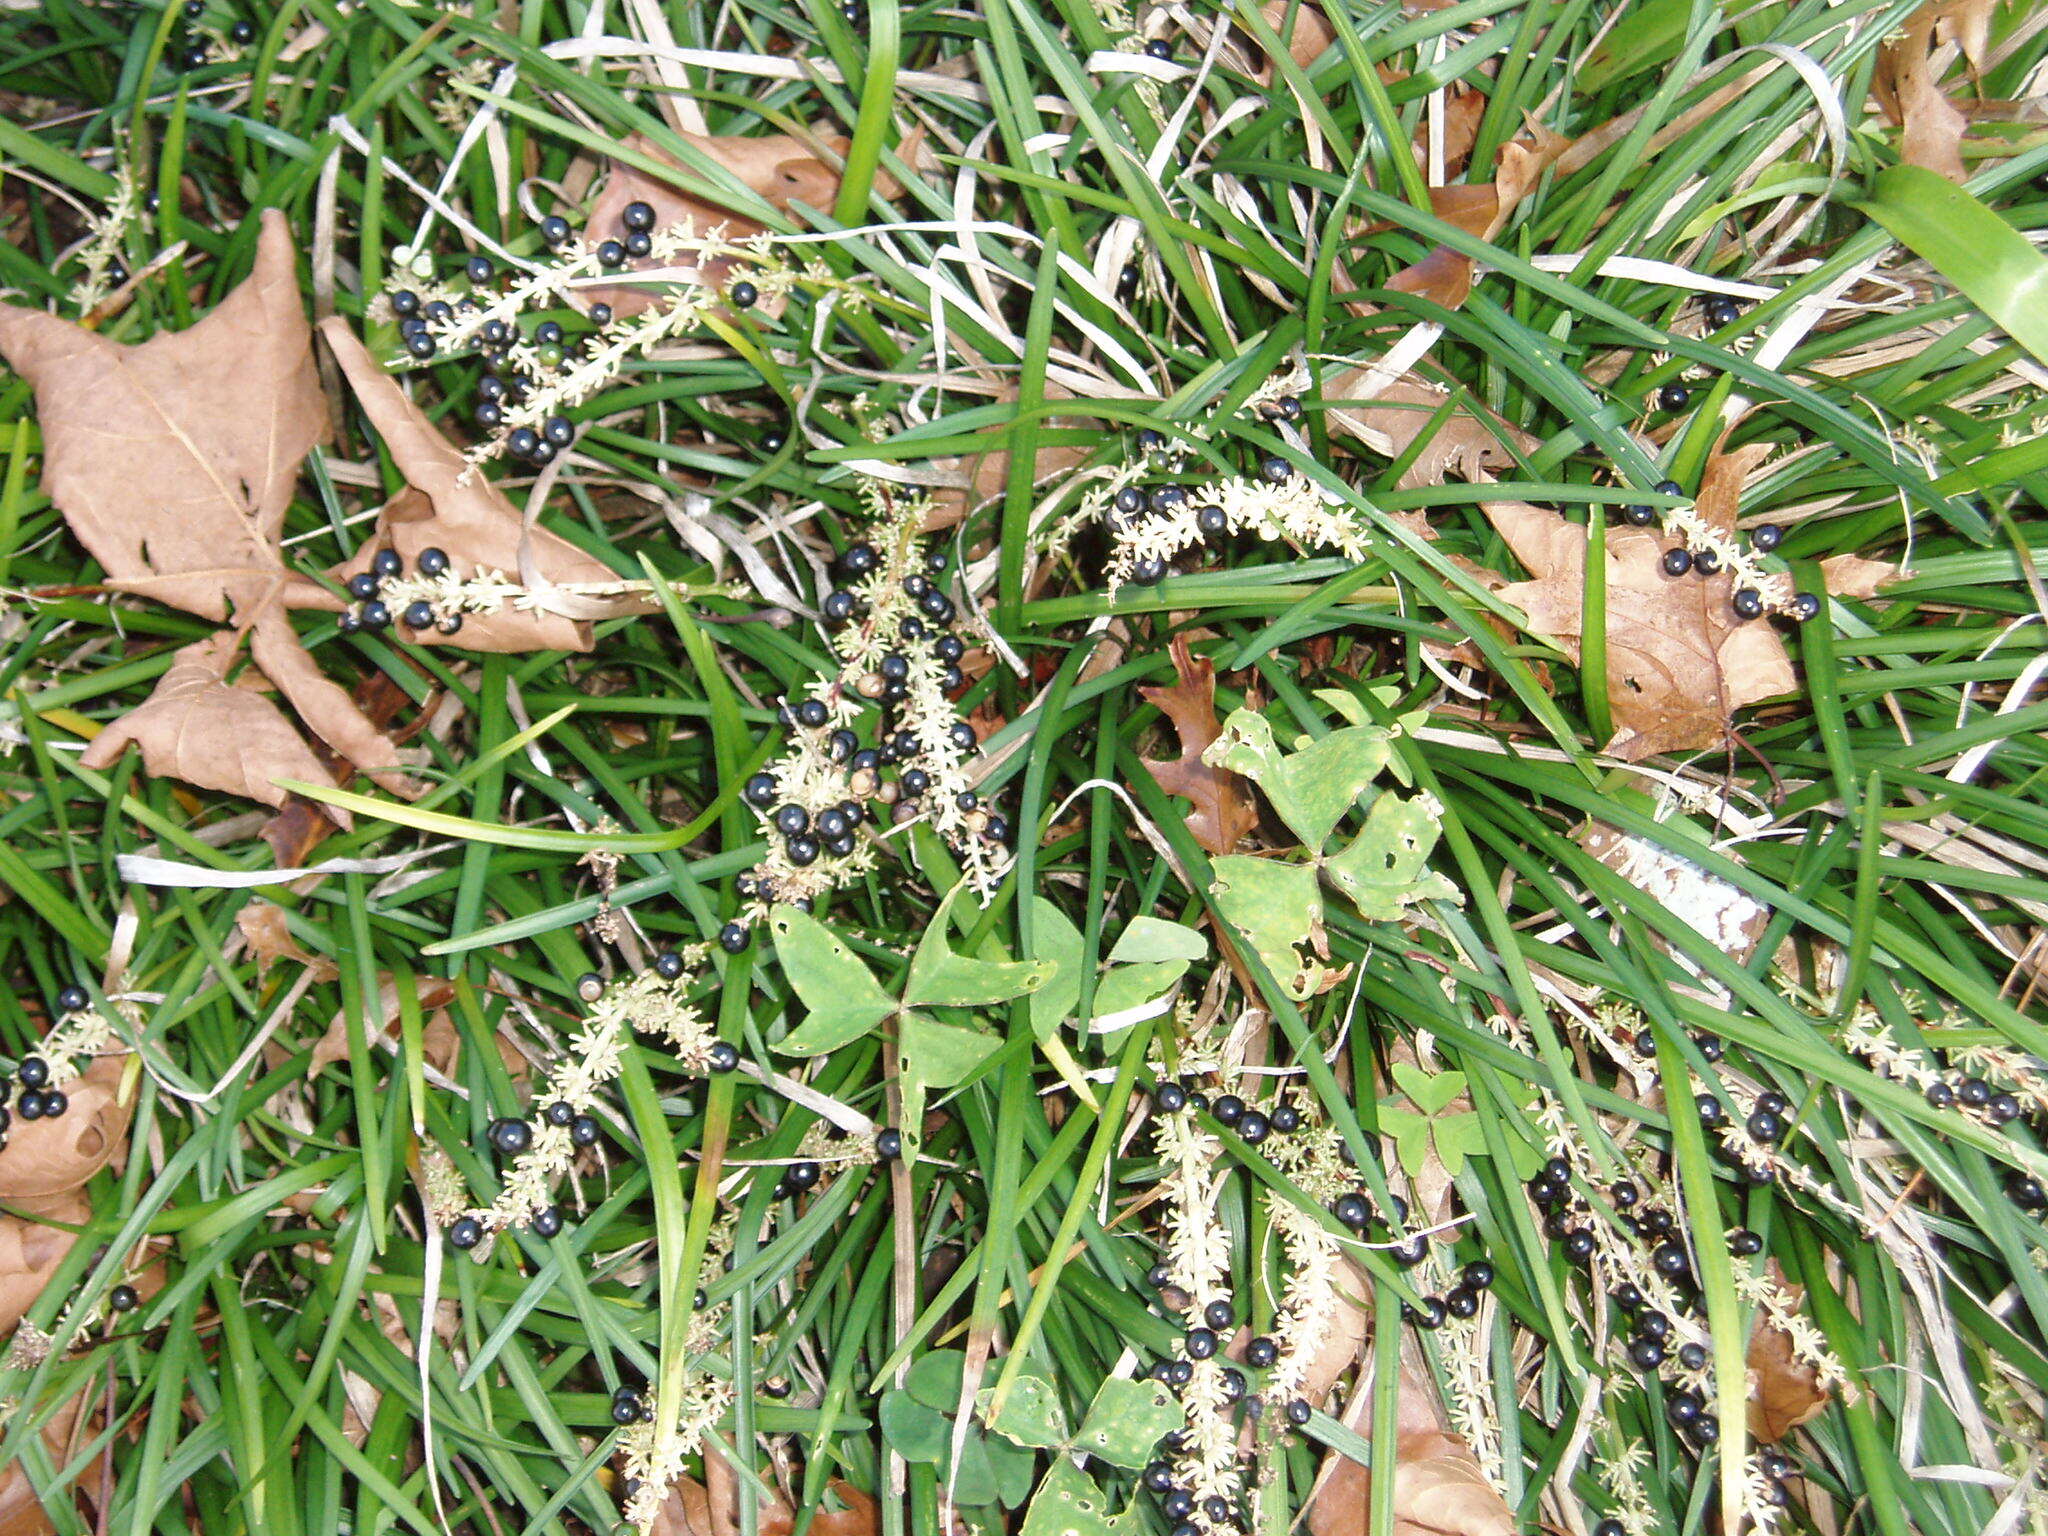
[1198, 1265]
[1775, 1309]
[451, 596]
[645, 1001]
[78, 1037]
[1293, 511]
[817, 773]
[106, 233]
[1622, 1473]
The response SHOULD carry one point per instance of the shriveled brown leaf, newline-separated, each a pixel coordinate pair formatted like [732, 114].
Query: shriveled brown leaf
[1349, 1323]
[1438, 1487]
[1679, 662]
[174, 460]
[263, 929]
[1784, 1391]
[325, 706]
[1468, 445]
[51, 1157]
[1224, 812]
[297, 829]
[711, 1508]
[22, 1511]
[1905, 84]
[30, 1252]
[1302, 27]
[780, 168]
[1854, 576]
[332, 1046]
[198, 727]
[453, 506]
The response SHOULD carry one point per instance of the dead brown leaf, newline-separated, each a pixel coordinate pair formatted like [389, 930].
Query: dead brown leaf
[451, 505]
[198, 727]
[1679, 662]
[1346, 1335]
[296, 830]
[30, 1252]
[51, 1157]
[1905, 84]
[1784, 1391]
[1854, 576]
[711, 1508]
[1224, 811]
[174, 460]
[332, 1045]
[1439, 1489]
[1467, 444]
[22, 1511]
[264, 930]
[1301, 27]
[781, 168]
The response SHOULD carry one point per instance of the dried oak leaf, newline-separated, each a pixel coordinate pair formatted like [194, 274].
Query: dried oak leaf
[1906, 86]
[1468, 444]
[52, 1157]
[1224, 810]
[197, 726]
[30, 1252]
[1439, 1489]
[452, 505]
[1679, 662]
[22, 1511]
[1784, 1391]
[174, 460]
[779, 167]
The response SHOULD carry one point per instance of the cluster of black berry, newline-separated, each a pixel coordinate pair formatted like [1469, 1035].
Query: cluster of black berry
[808, 835]
[1251, 1125]
[1460, 1301]
[191, 52]
[1179, 1506]
[37, 1100]
[372, 613]
[1720, 310]
[1974, 1093]
[631, 1405]
[634, 240]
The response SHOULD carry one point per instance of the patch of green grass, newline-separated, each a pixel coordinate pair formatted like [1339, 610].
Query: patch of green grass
[1887, 819]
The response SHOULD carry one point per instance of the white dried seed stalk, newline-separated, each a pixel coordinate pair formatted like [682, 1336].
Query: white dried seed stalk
[644, 1001]
[1293, 511]
[655, 1454]
[1198, 1264]
[1808, 1346]
[1621, 1473]
[487, 590]
[1309, 1300]
[2012, 1071]
[1774, 587]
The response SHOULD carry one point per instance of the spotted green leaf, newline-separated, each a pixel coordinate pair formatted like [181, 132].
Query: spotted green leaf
[942, 977]
[1031, 1414]
[1383, 870]
[1280, 910]
[1069, 1504]
[1310, 788]
[844, 999]
[1126, 1421]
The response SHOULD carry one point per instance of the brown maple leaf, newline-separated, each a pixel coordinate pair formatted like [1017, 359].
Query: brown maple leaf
[189, 721]
[1439, 1489]
[778, 167]
[47, 1160]
[31, 1251]
[174, 460]
[1224, 812]
[452, 505]
[1679, 662]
